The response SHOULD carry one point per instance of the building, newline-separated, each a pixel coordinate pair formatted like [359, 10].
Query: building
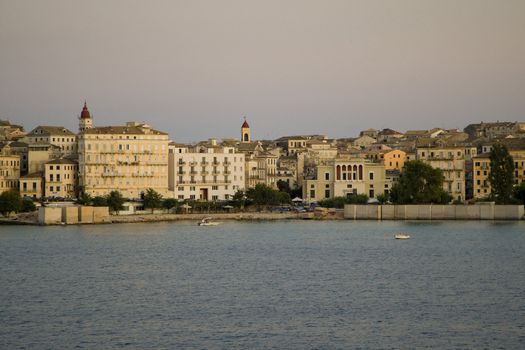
[61, 178]
[495, 130]
[205, 172]
[54, 135]
[456, 164]
[481, 171]
[392, 159]
[10, 132]
[9, 172]
[343, 177]
[32, 185]
[129, 159]
[261, 168]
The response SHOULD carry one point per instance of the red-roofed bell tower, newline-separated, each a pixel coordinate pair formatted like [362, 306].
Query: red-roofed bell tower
[245, 132]
[85, 120]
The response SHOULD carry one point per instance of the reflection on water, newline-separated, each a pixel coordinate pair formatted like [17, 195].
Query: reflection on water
[298, 284]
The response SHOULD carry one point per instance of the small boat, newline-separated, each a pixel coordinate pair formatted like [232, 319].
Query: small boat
[208, 222]
[401, 236]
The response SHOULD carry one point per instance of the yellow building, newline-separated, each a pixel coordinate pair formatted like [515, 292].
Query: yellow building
[454, 161]
[481, 171]
[343, 177]
[54, 135]
[9, 172]
[32, 185]
[393, 159]
[61, 178]
[130, 159]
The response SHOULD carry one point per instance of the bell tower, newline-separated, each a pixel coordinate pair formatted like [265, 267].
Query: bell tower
[85, 121]
[245, 132]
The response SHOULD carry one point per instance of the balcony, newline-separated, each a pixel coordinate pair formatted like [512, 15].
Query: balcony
[193, 163]
[193, 172]
[181, 162]
[227, 172]
[226, 163]
[204, 162]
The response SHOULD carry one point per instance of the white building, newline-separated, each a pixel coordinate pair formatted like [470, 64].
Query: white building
[205, 172]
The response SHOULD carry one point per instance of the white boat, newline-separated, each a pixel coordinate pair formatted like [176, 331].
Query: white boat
[207, 222]
[401, 236]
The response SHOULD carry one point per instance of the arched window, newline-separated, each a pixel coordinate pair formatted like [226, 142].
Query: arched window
[354, 173]
[360, 172]
[246, 137]
[338, 172]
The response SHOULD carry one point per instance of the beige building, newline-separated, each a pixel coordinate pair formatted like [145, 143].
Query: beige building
[344, 177]
[455, 162]
[38, 154]
[481, 171]
[9, 172]
[207, 172]
[130, 159]
[261, 168]
[61, 178]
[54, 135]
[32, 185]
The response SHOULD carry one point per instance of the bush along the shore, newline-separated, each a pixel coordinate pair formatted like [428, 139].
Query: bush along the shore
[339, 202]
[12, 202]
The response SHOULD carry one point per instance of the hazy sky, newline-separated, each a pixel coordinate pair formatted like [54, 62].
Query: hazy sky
[194, 68]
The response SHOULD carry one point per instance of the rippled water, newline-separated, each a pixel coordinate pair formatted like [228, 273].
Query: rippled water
[271, 285]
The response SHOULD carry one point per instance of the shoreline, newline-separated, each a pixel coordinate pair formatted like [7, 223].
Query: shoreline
[32, 219]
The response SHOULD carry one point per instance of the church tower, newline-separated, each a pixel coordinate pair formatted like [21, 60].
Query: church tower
[85, 120]
[245, 132]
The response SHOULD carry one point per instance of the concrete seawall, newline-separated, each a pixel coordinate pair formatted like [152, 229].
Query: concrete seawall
[485, 211]
[73, 215]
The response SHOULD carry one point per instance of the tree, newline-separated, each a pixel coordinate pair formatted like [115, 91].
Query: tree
[170, 203]
[284, 198]
[501, 176]
[239, 199]
[84, 198]
[99, 201]
[519, 192]
[152, 199]
[10, 201]
[28, 205]
[419, 183]
[262, 194]
[383, 198]
[283, 186]
[115, 201]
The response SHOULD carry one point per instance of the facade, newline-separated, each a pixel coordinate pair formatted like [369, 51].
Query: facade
[130, 159]
[481, 171]
[61, 178]
[205, 172]
[54, 135]
[456, 164]
[345, 177]
[9, 172]
[496, 129]
[38, 154]
[32, 185]
[392, 159]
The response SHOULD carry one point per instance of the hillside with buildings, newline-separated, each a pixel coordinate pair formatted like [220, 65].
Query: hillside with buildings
[52, 162]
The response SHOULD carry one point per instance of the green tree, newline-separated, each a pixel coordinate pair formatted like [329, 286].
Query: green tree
[283, 186]
[10, 201]
[501, 176]
[115, 201]
[170, 203]
[519, 192]
[419, 183]
[284, 198]
[152, 199]
[99, 201]
[28, 205]
[383, 198]
[262, 194]
[239, 199]
[84, 198]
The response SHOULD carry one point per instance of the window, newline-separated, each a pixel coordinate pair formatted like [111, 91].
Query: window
[371, 193]
[181, 196]
[312, 193]
[215, 187]
[327, 194]
[327, 176]
[371, 177]
[215, 197]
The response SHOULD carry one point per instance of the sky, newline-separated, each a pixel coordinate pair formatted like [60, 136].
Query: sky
[195, 68]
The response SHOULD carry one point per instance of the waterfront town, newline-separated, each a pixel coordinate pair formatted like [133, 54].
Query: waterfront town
[54, 163]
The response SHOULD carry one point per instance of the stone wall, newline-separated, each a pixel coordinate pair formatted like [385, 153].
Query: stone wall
[481, 211]
[73, 215]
